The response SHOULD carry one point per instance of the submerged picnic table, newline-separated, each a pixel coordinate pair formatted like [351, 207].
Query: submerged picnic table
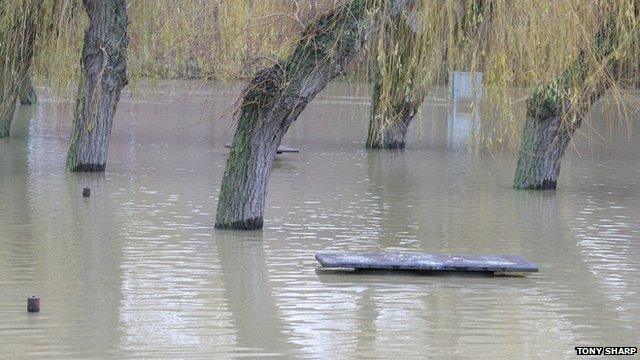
[497, 264]
[281, 149]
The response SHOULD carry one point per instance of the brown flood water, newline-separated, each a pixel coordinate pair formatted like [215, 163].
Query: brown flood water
[137, 270]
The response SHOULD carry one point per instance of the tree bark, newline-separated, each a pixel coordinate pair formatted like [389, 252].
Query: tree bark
[543, 144]
[104, 75]
[553, 117]
[388, 123]
[274, 99]
[17, 42]
[27, 93]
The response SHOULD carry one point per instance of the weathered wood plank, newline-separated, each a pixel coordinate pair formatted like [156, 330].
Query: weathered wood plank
[281, 149]
[426, 262]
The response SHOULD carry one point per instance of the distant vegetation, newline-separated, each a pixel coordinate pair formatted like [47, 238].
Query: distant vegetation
[214, 39]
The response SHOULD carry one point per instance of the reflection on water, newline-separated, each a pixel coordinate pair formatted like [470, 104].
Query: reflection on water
[462, 126]
[137, 269]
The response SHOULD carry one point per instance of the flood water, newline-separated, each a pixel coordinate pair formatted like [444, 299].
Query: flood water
[137, 270]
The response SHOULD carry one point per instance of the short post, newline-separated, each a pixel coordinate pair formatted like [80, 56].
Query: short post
[86, 192]
[33, 304]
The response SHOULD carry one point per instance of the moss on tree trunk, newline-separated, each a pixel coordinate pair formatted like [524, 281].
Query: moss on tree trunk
[103, 77]
[17, 40]
[388, 123]
[274, 99]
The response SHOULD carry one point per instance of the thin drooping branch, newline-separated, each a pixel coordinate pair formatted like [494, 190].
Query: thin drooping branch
[274, 99]
[104, 75]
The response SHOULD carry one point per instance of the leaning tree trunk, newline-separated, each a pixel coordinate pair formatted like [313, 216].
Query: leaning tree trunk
[554, 114]
[397, 94]
[17, 40]
[275, 98]
[104, 75]
[27, 93]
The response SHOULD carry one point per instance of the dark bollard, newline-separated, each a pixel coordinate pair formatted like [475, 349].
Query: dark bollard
[86, 192]
[33, 304]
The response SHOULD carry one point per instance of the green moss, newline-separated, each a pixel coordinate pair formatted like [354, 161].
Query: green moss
[547, 100]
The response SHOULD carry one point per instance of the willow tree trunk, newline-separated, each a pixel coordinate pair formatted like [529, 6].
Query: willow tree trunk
[16, 51]
[399, 74]
[7, 108]
[388, 123]
[104, 75]
[274, 99]
[553, 118]
[396, 93]
[27, 93]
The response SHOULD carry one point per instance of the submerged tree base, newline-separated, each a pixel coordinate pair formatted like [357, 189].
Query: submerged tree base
[88, 167]
[6, 117]
[387, 146]
[249, 224]
[392, 139]
[544, 185]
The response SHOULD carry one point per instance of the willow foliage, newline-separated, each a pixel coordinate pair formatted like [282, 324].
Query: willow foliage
[516, 44]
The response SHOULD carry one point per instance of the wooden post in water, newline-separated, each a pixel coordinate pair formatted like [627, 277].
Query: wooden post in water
[33, 304]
